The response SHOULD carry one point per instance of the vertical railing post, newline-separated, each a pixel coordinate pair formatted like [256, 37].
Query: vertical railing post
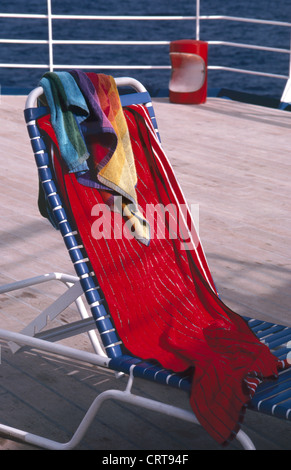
[286, 95]
[197, 20]
[50, 35]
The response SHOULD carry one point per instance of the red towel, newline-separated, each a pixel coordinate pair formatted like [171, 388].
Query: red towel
[162, 297]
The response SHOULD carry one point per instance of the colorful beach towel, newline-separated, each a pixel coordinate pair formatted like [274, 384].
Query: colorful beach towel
[162, 297]
[88, 103]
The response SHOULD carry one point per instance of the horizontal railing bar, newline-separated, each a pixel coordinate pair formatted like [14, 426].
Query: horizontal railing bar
[138, 43]
[145, 18]
[117, 67]
[84, 42]
[245, 20]
[123, 18]
[250, 72]
[249, 46]
[106, 43]
[27, 66]
[24, 41]
[97, 17]
[140, 67]
[24, 15]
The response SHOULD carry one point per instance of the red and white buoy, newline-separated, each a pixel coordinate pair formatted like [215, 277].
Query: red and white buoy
[188, 83]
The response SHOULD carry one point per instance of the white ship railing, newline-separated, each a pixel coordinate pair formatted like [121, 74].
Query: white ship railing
[197, 19]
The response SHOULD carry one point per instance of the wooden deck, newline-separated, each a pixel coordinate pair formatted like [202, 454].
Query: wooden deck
[230, 158]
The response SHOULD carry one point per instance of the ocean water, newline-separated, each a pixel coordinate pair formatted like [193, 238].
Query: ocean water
[270, 62]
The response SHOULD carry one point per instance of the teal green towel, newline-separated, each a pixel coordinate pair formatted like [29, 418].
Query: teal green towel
[68, 109]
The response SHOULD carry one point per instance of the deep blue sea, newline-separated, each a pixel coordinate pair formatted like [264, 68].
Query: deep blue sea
[150, 30]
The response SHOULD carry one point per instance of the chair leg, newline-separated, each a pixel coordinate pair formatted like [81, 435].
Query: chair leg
[245, 441]
[123, 396]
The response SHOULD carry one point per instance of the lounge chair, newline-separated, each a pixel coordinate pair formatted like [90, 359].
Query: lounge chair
[147, 336]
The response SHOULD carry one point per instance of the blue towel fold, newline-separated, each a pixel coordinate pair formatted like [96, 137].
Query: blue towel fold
[68, 109]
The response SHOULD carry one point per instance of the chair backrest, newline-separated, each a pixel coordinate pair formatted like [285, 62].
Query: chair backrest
[131, 92]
